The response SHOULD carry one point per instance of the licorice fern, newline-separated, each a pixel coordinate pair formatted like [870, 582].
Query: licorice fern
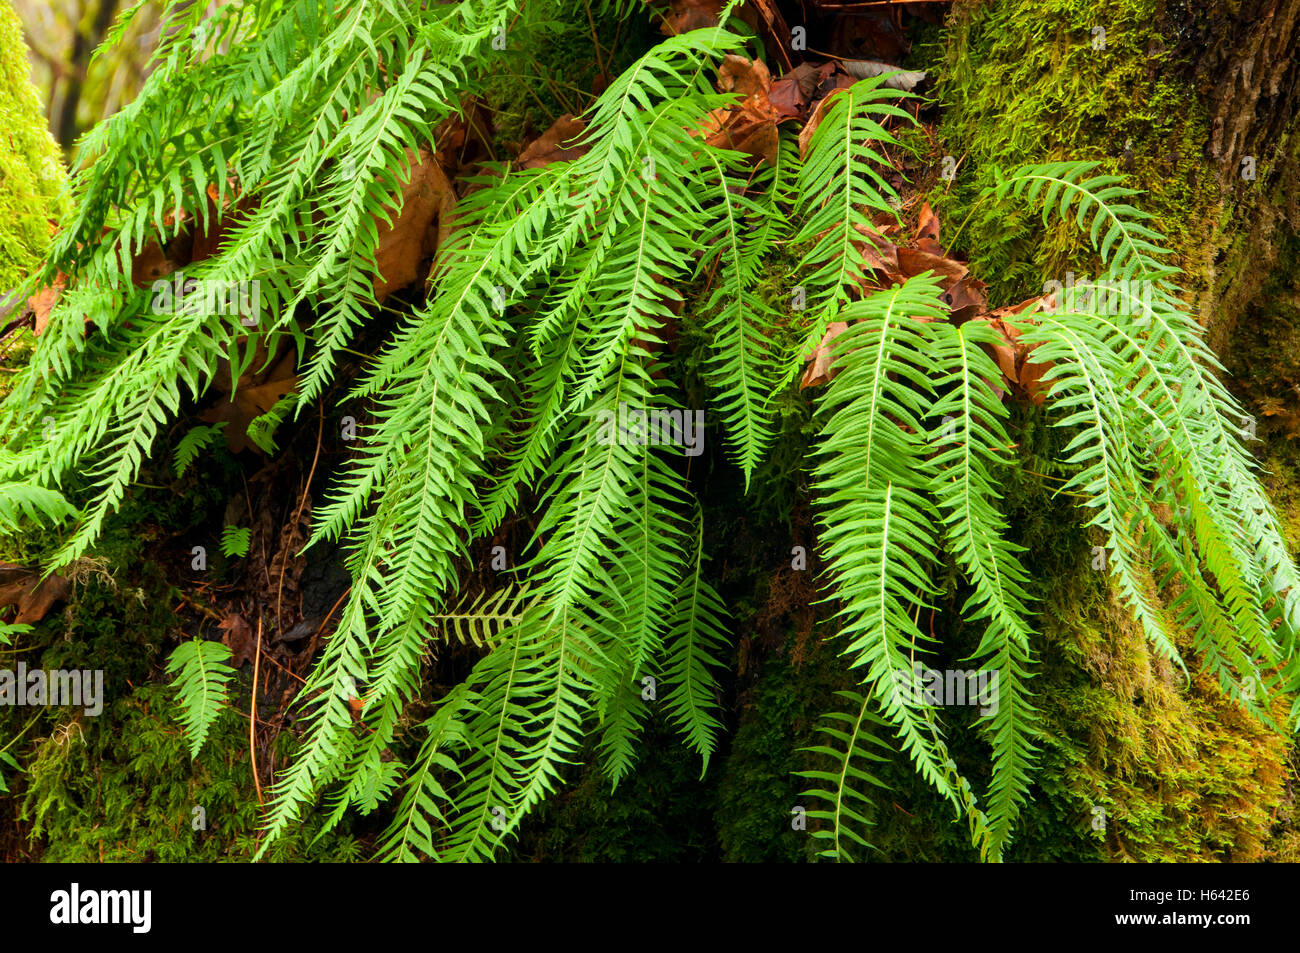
[1151, 425]
[546, 319]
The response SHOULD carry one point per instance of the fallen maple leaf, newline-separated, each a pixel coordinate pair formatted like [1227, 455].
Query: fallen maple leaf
[792, 95]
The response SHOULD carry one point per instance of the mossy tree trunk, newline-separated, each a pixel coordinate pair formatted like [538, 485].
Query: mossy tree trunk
[1197, 105]
[31, 168]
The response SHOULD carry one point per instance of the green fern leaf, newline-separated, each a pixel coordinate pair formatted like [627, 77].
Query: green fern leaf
[201, 679]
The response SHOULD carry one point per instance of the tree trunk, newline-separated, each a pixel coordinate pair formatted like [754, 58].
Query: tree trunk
[1197, 104]
[31, 171]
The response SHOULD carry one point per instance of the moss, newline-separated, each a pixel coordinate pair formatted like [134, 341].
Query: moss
[121, 786]
[125, 790]
[1181, 772]
[31, 171]
[551, 66]
[1021, 82]
[659, 813]
[759, 790]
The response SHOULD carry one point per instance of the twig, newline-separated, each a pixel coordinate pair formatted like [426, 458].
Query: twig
[333, 607]
[288, 671]
[21, 733]
[187, 601]
[252, 713]
[600, 60]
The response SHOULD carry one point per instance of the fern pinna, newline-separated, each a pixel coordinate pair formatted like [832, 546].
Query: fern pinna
[546, 313]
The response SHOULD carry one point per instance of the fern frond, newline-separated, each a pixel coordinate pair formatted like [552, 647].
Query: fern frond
[195, 441]
[527, 726]
[481, 621]
[21, 503]
[201, 679]
[693, 642]
[851, 736]
[877, 524]
[235, 540]
[744, 366]
[970, 444]
[1128, 246]
[839, 186]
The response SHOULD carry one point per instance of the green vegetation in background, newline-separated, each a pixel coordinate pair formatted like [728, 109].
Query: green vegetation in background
[31, 169]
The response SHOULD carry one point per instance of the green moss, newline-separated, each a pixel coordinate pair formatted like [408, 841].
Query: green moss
[1020, 82]
[31, 171]
[1180, 772]
[124, 790]
[657, 814]
[120, 786]
[759, 790]
[552, 66]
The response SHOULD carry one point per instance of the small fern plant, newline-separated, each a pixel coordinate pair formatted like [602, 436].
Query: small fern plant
[235, 540]
[547, 312]
[201, 679]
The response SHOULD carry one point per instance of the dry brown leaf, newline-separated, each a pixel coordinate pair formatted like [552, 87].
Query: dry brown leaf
[881, 256]
[829, 88]
[819, 371]
[810, 127]
[750, 125]
[792, 95]
[409, 241]
[151, 263]
[1013, 356]
[927, 230]
[556, 144]
[22, 586]
[747, 77]
[43, 302]
[914, 261]
[238, 636]
[966, 299]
